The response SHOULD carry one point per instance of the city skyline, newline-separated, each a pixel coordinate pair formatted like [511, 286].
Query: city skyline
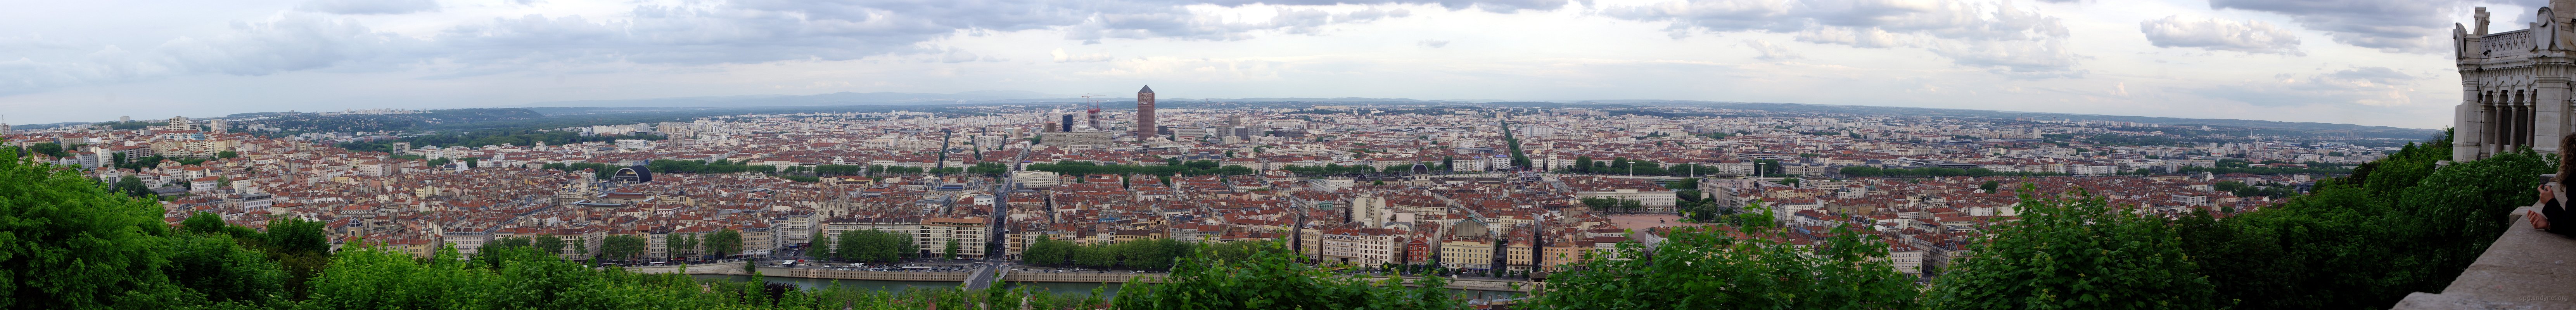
[2302, 61]
[1309, 154]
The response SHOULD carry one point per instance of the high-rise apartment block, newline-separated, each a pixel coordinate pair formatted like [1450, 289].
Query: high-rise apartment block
[181, 123]
[217, 126]
[1095, 119]
[1145, 113]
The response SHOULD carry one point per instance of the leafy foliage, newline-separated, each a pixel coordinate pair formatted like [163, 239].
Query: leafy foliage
[1047, 252]
[874, 246]
[724, 241]
[1707, 269]
[2395, 226]
[2077, 252]
[623, 246]
[1274, 279]
[67, 243]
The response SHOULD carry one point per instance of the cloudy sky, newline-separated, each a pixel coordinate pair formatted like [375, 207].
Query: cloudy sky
[2372, 62]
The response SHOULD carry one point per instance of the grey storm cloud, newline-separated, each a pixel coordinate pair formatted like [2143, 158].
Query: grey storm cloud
[369, 6]
[2222, 35]
[2405, 26]
[291, 42]
[691, 33]
[1984, 34]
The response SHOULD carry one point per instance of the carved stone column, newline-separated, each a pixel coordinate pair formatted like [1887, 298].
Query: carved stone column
[2548, 104]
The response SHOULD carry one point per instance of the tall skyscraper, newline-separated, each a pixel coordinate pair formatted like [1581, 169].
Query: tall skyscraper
[1095, 118]
[1068, 123]
[1145, 112]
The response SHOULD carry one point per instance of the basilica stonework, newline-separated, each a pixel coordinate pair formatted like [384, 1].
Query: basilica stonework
[2515, 83]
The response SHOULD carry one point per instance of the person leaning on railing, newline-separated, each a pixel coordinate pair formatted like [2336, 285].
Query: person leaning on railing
[2553, 192]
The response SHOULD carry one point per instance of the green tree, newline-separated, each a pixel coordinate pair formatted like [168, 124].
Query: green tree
[1047, 252]
[296, 235]
[950, 252]
[623, 246]
[1705, 269]
[204, 223]
[679, 245]
[854, 245]
[548, 245]
[874, 246]
[1274, 279]
[72, 244]
[724, 241]
[1990, 186]
[1095, 256]
[2393, 227]
[133, 187]
[2074, 251]
[48, 149]
[216, 265]
[820, 245]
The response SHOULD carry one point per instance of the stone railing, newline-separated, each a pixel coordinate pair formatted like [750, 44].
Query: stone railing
[2509, 43]
[2525, 269]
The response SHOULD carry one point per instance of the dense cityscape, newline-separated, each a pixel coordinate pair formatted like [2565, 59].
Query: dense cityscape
[1495, 193]
[1387, 154]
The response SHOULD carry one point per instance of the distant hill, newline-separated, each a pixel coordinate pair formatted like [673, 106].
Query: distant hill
[840, 98]
[1120, 103]
[2366, 131]
[885, 98]
[316, 122]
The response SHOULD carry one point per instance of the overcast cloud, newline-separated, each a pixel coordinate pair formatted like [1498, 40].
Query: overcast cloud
[2346, 61]
[2220, 35]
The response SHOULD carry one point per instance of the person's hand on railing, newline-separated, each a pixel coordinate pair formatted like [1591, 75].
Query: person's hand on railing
[2546, 193]
[2538, 220]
